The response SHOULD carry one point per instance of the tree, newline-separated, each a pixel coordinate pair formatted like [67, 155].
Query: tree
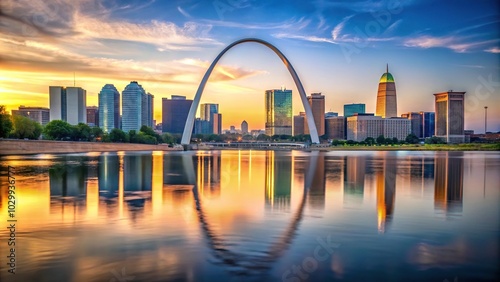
[434, 140]
[395, 140]
[117, 135]
[381, 139]
[167, 138]
[412, 139]
[81, 132]
[57, 130]
[263, 137]
[150, 132]
[26, 128]
[97, 133]
[370, 141]
[5, 122]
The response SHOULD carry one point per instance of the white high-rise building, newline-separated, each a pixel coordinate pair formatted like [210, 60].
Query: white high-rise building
[68, 104]
[109, 108]
[137, 107]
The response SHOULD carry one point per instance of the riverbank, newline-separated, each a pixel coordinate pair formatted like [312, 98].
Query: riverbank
[417, 147]
[31, 147]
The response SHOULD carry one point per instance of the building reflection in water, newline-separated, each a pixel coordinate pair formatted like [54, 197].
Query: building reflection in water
[137, 172]
[108, 174]
[208, 174]
[354, 178]
[386, 192]
[69, 179]
[316, 194]
[448, 182]
[278, 188]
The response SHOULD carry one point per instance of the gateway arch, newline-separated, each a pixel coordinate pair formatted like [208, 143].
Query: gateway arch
[188, 128]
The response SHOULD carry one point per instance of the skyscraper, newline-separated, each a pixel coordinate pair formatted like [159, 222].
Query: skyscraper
[450, 116]
[317, 103]
[207, 112]
[244, 127]
[362, 126]
[68, 104]
[38, 114]
[428, 124]
[278, 112]
[147, 109]
[386, 98]
[93, 116]
[175, 113]
[134, 103]
[217, 124]
[351, 109]
[109, 108]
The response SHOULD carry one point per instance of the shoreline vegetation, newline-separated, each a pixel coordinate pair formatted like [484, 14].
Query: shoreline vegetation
[31, 147]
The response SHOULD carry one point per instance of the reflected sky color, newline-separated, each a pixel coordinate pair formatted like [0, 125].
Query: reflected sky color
[254, 215]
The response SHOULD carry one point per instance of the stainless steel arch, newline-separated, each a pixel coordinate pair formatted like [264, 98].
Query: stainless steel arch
[188, 128]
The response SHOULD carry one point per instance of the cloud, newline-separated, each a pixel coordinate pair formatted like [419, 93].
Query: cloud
[455, 43]
[494, 50]
[304, 38]
[184, 13]
[292, 24]
[338, 28]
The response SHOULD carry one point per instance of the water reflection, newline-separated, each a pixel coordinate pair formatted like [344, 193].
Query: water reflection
[194, 215]
[448, 184]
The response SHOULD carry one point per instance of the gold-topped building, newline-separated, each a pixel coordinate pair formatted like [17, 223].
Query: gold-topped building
[387, 105]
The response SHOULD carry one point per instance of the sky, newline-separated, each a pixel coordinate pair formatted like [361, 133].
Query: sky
[338, 48]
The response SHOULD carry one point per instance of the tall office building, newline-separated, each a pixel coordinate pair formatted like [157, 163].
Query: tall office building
[299, 123]
[134, 105]
[428, 124]
[68, 104]
[175, 113]
[207, 112]
[335, 128]
[279, 112]
[317, 103]
[351, 109]
[217, 124]
[38, 114]
[93, 116]
[109, 108]
[387, 105]
[331, 114]
[416, 123]
[450, 116]
[244, 127]
[362, 126]
[147, 109]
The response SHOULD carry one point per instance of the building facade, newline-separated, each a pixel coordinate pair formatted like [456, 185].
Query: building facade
[38, 114]
[109, 108]
[175, 113]
[299, 123]
[398, 128]
[416, 123]
[93, 116]
[362, 126]
[351, 109]
[207, 112]
[335, 128]
[386, 97]
[147, 110]
[428, 124]
[217, 124]
[244, 127]
[68, 104]
[450, 109]
[317, 103]
[133, 105]
[279, 112]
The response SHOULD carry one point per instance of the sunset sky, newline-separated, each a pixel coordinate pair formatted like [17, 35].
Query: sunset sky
[339, 48]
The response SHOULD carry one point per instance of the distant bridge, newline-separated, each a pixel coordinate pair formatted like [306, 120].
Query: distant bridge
[258, 145]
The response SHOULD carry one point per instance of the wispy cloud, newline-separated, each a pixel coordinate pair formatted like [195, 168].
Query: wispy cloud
[494, 50]
[455, 43]
[184, 13]
[293, 24]
[338, 28]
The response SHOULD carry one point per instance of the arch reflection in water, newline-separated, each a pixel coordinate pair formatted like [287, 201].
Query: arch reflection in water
[245, 264]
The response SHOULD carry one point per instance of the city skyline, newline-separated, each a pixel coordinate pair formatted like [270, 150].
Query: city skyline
[329, 43]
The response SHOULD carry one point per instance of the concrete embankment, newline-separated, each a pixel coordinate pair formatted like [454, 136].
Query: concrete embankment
[30, 147]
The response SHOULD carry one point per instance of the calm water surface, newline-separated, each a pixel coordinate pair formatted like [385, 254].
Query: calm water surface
[254, 216]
